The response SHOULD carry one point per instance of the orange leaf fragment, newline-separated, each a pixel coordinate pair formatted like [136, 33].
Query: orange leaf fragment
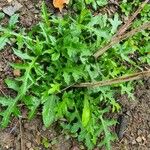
[60, 4]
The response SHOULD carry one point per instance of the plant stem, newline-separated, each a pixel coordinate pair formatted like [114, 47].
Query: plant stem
[124, 27]
[131, 77]
[120, 38]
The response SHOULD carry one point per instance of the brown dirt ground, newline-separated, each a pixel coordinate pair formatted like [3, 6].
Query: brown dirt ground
[134, 131]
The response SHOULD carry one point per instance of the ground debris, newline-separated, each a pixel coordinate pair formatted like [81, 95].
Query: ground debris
[12, 8]
[139, 139]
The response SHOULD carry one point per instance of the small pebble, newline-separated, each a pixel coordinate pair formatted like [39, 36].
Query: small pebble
[26, 125]
[133, 142]
[16, 73]
[30, 6]
[143, 138]
[132, 134]
[129, 113]
[31, 148]
[139, 139]
[12, 9]
[44, 128]
[28, 145]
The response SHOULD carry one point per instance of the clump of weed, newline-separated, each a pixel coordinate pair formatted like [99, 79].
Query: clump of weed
[55, 54]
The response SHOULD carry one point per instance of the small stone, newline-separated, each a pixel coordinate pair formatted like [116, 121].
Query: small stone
[139, 139]
[143, 138]
[31, 148]
[11, 9]
[16, 72]
[132, 134]
[133, 142]
[26, 125]
[44, 128]
[36, 11]
[7, 147]
[148, 136]
[128, 113]
[30, 6]
[28, 145]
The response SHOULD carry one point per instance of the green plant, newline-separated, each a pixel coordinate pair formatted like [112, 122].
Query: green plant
[57, 53]
[11, 25]
[92, 4]
[97, 3]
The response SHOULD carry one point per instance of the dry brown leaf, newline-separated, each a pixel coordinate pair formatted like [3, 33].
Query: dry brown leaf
[60, 4]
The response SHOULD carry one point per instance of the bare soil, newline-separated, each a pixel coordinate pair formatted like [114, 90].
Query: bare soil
[134, 128]
[135, 120]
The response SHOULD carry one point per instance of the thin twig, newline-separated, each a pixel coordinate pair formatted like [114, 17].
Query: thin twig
[120, 38]
[14, 128]
[131, 77]
[129, 21]
[64, 89]
[21, 134]
[121, 31]
[3, 92]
